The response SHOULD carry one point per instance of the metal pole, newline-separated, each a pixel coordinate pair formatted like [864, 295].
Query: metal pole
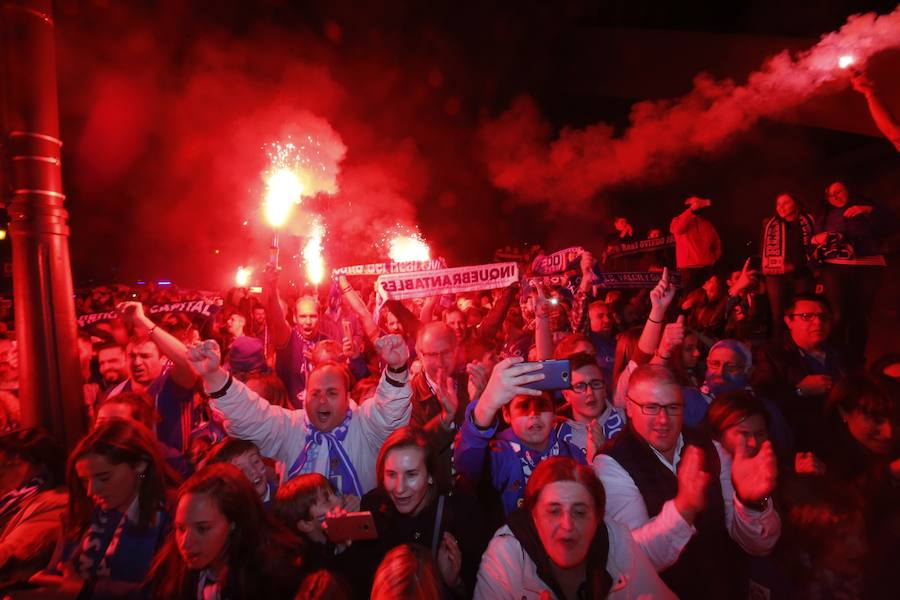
[49, 375]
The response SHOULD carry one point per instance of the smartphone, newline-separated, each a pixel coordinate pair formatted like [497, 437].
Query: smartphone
[352, 526]
[557, 375]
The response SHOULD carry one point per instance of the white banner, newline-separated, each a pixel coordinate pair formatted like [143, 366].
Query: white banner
[390, 267]
[402, 286]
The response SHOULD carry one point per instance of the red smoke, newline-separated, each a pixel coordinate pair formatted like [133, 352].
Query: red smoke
[169, 140]
[524, 159]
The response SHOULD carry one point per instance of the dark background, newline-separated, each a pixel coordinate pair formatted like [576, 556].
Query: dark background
[165, 107]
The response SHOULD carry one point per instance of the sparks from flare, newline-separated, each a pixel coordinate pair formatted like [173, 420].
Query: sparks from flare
[405, 247]
[312, 253]
[242, 277]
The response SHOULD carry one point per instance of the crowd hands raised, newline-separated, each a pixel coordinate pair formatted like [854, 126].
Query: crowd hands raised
[713, 439]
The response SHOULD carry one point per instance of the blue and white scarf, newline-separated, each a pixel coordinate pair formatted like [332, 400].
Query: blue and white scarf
[530, 459]
[341, 472]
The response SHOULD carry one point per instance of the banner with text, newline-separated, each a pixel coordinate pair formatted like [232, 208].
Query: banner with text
[384, 268]
[402, 286]
[192, 307]
[635, 279]
[642, 246]
[558, 262]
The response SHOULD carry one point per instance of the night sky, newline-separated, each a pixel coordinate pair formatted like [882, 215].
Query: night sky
[165, 107]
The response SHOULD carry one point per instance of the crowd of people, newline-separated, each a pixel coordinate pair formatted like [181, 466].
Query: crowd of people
[717, 434]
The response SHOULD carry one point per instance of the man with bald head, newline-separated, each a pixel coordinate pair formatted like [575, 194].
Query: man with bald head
[293, 344]
[685, 499]
[327, 436]
[440, 395]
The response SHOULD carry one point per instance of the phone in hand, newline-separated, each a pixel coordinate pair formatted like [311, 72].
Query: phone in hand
[351, 527]
[557, 375]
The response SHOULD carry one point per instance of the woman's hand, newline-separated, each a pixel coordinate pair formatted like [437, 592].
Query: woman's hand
[449, 560]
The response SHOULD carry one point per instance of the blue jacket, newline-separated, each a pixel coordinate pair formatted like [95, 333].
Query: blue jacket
[475, 445]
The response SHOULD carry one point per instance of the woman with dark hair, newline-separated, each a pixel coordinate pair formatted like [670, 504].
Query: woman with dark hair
[558, 544]
[863, 454]
[706, 307]
[786, 244]
[31, 501]
[738, 418]
[116, 521]
[224, 544]
[864, 420]
[408, 508]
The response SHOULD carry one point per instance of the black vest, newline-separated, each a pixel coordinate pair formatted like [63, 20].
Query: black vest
[707, 567]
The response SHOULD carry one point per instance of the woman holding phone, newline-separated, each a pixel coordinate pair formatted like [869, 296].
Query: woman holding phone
[408, 508]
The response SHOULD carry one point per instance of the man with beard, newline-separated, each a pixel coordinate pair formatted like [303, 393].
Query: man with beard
[728, 368]
[157, 366]
[111, 362]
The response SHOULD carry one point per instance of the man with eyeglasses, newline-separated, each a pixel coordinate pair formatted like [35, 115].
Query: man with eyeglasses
[594, 420]
[799, 371]
[685, 500]
[441, 394]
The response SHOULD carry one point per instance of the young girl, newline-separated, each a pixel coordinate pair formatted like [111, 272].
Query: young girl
[117, 519]
[224, 544]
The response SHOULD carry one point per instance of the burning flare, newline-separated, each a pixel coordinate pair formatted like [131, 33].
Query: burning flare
[845, 61]
[283, 190]
[242, 277]
[404, 248]
[312, 254]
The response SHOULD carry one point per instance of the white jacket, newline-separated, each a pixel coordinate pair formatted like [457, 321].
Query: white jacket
[280, 433]
[507, 572]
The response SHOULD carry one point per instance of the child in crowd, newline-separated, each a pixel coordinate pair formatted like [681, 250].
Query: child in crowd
[511, 454]
[245, 456]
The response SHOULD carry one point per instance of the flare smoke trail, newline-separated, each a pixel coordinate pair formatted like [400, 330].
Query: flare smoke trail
[581, 162]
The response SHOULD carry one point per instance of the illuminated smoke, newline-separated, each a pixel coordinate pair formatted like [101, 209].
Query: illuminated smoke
[312, 253]
[404, 245]
[242, 277]
[523, 159]
[845, 61]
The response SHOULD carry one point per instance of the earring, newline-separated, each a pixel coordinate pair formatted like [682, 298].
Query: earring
[430, 480]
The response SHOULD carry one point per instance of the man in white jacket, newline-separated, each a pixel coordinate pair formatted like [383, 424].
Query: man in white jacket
[327, 436]
[558, 545]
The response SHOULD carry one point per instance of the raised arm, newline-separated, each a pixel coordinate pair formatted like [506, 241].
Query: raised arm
[351, 297]
[881, 114]
[543, 336]
[578, 317]
[660, 298]
[279, 328]
[278, 432]
[169, 345]
[490, 325]
[687, 219]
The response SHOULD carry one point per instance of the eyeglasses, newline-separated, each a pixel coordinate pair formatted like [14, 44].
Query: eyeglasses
[582, 386]
[654, 409]
[807, 317]
[724, 367]
[436, 355]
